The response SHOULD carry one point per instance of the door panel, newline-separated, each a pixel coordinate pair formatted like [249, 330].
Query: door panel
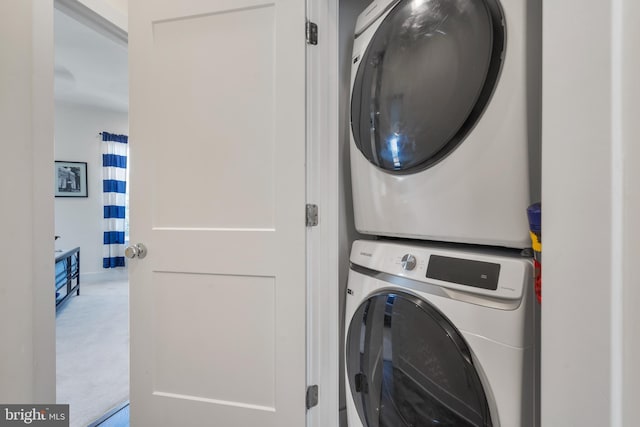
[208, 362]
[217, 117]
[229, 122]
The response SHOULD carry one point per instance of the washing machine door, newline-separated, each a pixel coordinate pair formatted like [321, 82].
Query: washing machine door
[408, 366]
[424, 80]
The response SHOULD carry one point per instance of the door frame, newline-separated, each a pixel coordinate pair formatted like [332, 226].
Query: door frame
[323, 334]
[323, 240]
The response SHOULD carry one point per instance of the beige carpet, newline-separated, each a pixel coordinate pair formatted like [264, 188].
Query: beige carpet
[92, 334]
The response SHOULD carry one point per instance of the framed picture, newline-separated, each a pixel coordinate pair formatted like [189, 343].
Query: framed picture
[71, 179]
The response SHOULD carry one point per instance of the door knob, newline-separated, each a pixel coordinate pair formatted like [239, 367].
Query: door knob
[138, 250]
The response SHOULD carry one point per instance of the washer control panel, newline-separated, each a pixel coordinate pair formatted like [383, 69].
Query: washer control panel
[500, 275]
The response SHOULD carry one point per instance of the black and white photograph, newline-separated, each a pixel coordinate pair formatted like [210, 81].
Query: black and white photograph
[71, 179]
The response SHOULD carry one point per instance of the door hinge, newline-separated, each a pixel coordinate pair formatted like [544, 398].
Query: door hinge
[312, 33]
[312, 396]
[312, 215]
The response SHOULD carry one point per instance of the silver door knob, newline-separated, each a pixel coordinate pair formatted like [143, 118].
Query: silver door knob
[138, 250]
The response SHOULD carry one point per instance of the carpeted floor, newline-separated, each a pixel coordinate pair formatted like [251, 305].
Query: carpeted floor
[92, 334]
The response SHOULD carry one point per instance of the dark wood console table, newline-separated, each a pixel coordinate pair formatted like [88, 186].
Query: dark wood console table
[67, 274]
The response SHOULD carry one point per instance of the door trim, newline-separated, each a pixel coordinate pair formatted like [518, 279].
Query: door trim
[323, 333]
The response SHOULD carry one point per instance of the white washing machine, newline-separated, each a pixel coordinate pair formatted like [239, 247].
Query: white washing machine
[445, 119]
[437, 336]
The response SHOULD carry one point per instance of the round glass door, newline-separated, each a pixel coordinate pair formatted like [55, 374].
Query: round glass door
[424, 80]
[407, 366]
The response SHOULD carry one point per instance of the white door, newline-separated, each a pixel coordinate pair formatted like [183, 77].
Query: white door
[217, 124]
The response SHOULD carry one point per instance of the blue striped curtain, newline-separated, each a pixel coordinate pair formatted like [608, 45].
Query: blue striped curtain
[114, 189]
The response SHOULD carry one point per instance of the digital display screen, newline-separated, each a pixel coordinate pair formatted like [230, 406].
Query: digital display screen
[464, 272]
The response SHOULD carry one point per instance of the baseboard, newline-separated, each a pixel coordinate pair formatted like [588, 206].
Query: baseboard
[105, 276]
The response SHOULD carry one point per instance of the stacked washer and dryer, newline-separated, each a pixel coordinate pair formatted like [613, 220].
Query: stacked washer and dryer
[441, 323]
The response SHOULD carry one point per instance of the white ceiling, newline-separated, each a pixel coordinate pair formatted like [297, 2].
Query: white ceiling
[90, 67]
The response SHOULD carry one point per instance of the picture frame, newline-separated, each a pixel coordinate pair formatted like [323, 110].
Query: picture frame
[71, 179]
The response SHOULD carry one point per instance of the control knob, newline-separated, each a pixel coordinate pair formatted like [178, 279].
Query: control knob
[408, 262]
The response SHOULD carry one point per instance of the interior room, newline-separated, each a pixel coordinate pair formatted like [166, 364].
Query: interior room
[416, 135]
[92, 331]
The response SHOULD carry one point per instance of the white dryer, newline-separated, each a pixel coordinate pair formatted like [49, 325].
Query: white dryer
[440, 337]
[445, 119]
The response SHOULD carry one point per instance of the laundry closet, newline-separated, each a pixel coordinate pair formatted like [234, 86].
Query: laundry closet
[590, 99]
[440, 158]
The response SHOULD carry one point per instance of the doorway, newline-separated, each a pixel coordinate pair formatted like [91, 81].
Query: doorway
[92, 328]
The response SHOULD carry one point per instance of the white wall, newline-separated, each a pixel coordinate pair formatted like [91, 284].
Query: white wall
[27, 307]
[591, 213]
[79, 221]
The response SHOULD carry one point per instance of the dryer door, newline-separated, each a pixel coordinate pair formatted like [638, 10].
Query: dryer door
[408, 366]
[424, 80]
